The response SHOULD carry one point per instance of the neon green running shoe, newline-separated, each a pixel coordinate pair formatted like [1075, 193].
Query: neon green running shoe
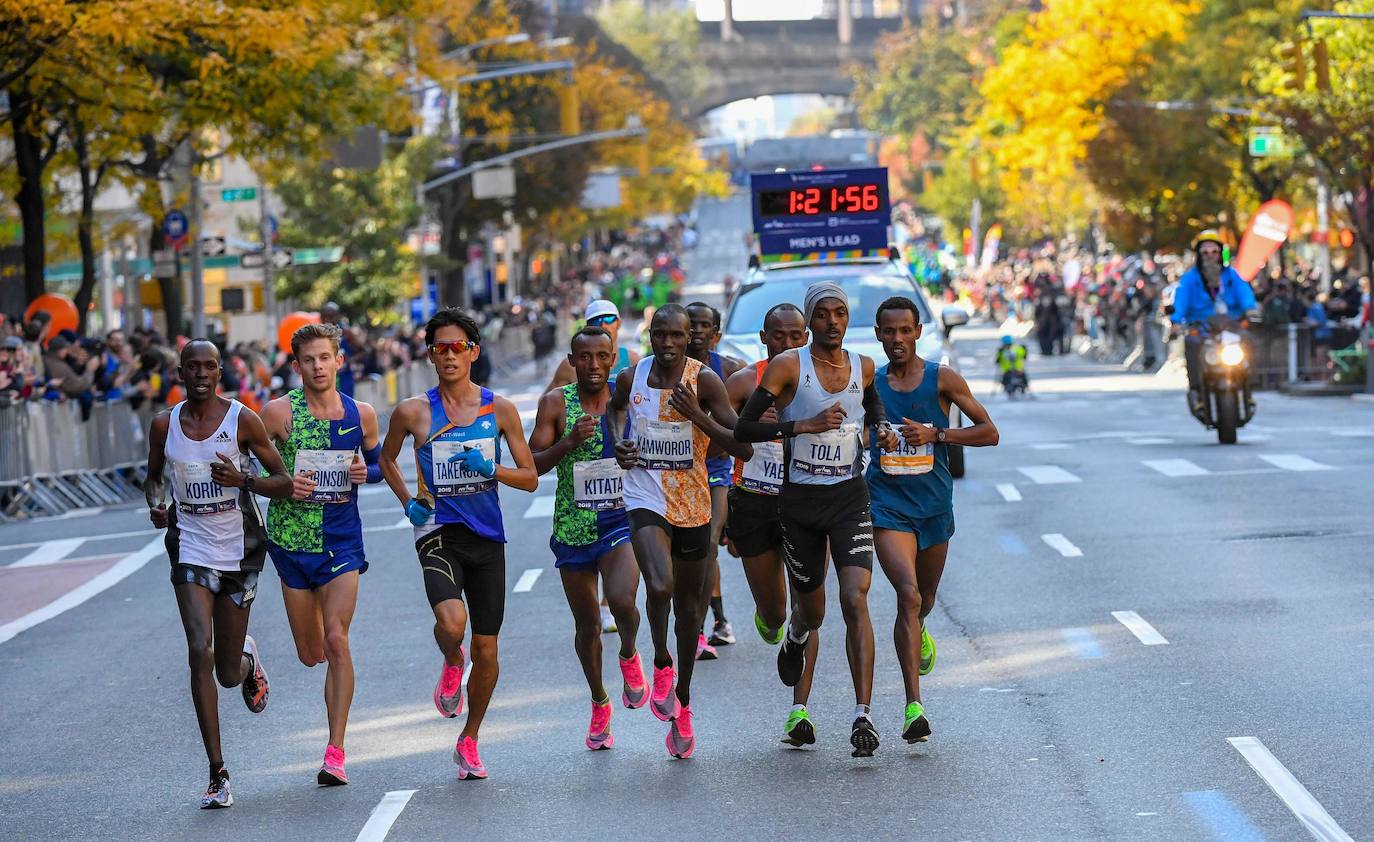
[770, 636]
[927, 651]
[799, 730]
[915, 726]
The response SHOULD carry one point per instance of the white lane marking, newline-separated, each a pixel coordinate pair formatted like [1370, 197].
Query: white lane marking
[50, 552]
[90, 588]
[541, 507]
[1009, 492]
[400, 524]
[1051, 445]
[527, 579]
[1353, 434]
[1063, 545]
[1289, 790]
[968, 361]
[384, 815]
[1048, 474]
[1176, 467]
[107, 536]
[1149, 440]
[1146, 633]
[1293, 462]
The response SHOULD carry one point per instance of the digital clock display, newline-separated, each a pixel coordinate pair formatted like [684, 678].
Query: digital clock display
[820, 201]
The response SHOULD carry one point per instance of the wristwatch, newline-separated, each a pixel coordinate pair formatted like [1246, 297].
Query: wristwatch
[942, 435]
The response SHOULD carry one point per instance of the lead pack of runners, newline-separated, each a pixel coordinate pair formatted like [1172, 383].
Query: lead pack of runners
[816, 457]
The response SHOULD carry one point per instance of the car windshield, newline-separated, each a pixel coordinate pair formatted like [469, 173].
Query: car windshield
[866, 291]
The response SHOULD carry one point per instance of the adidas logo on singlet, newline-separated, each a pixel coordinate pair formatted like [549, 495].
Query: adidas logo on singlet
[223, 436]
[853, 386]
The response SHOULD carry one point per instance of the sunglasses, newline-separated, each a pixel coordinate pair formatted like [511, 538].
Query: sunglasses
[438, 349]
[602, 321]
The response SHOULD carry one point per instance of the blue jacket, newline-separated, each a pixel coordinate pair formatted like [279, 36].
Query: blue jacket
[1193, 304]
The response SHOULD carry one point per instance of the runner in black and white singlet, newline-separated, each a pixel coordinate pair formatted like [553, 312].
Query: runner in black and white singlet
[330, 445]
[460, 536]
[826, 399]
[215, 539]
[591, 528]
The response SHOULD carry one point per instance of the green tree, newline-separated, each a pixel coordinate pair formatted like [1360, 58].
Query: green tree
[665, 41]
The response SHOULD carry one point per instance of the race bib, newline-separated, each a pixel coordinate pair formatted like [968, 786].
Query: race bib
[452, 478]
[828, 454]
[329, 470]
[198, 494]
[908, 460]
[597, 485]
[763, 473]
[664, 445]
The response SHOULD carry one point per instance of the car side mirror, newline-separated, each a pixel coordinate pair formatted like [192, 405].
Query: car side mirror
[953, 317]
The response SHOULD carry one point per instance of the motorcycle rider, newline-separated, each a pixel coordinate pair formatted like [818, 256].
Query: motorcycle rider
[1011, 362]
[1209, 288]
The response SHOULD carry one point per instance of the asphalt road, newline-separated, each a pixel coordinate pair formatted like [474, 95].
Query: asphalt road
[1053, 719]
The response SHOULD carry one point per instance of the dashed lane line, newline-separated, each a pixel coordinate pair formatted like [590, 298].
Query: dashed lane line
[1144, 632]
[1289, 790]
[1062, 545]
[50, 552]
[1176, 467]
[384, 815]
[527, 580]
[1009, 492]
[1294, 462]
[1048, 474]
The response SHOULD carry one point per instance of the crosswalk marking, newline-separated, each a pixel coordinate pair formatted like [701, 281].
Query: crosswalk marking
[1009, 492]
[49, 552]
[527, 579]
[1048, 474]
[1144, 632]
[1293, 462]
[1051, 445]
[1176, 467]
[1062, 545]
[542, 506]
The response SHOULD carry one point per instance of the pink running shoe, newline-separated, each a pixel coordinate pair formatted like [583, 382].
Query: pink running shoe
[663, 701]
[332, 772]
[599, 732]
[681, 739]
[448, 693]
[469, 764]
[705, 651]
[636, 688]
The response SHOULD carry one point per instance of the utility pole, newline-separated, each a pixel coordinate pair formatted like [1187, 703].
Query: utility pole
[197, 264]
[1324, 246]
[269, 293]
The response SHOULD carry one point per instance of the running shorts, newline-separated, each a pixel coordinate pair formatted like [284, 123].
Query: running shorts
[929, 531]
[720, 471]
[459, 564]
[239, 585]
[254, 541]
[753, 524]
[688, 543]
[586, 557]
[815, 517]
[306, 571]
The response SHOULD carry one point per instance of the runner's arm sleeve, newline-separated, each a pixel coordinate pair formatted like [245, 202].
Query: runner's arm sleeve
[749, 428]
[874, 413]
[374, 467]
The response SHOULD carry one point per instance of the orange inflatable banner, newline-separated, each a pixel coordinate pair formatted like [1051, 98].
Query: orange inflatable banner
[1268, 230]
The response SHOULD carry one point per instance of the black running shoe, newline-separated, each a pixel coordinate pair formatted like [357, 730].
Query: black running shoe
[790, 657]
[864, 737]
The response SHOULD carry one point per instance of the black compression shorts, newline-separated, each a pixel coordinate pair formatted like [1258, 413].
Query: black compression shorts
[458, 564]
[688, 543]
[754, 525]
[815, 517]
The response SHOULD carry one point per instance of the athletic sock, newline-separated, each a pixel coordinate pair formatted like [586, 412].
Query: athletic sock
[861, 711]
[718, 608]
[605, 701]
[796, 708]
[797, 640]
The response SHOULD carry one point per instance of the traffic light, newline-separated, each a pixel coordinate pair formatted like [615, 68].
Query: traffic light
[1321, 64]
[569, 116]
[1294, 66]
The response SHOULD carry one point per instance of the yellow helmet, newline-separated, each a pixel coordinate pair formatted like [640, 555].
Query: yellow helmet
[1210, 235]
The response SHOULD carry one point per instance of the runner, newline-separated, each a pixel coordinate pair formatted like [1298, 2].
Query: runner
[605, 315]
[459, 534]
[912, 490]
[591, 530]
[826, 395]
[754, 528]
[705, 327]
[215, 539]
[330, 444]
[676, 407]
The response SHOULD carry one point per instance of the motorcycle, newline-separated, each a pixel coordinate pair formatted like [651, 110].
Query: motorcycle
[1226, 403]
[1014, 382]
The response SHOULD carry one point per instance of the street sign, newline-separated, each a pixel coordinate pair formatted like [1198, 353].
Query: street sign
[252, 260]
[1265, 141]
[493, 183]
[211, 246]
[175, 227]
[311, 256]
[282, 258]
[239, 194]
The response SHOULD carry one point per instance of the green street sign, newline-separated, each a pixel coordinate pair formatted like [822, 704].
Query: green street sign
[311, 256]
[239, 194]
[1265, 143]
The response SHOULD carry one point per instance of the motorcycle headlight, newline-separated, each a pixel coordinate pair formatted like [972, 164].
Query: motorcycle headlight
[1232, 354]
[1210, 355]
